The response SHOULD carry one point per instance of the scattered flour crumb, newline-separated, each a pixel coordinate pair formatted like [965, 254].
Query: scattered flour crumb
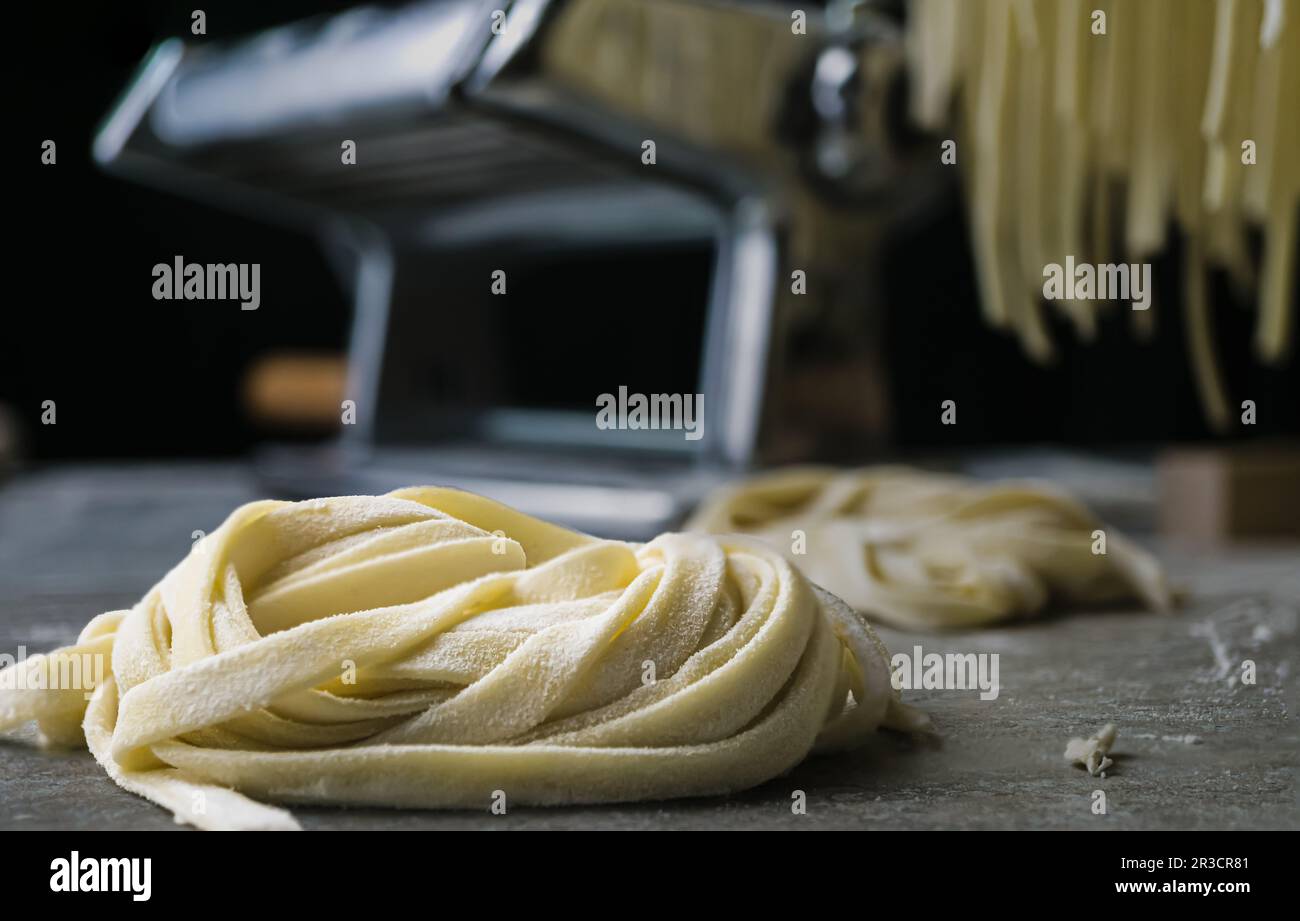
[1091, 752]
[1188, 739]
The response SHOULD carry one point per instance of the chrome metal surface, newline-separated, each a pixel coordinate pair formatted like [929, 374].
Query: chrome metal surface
[479, 127]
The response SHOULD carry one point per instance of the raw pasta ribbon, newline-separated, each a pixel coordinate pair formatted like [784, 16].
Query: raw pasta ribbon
[927, 551]
[1097, 131]
[432, 648]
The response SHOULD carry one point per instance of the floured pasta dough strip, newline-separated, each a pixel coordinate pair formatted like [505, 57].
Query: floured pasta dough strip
[430, 647]
[928, 551]
[1091, 753]
[1063, 125]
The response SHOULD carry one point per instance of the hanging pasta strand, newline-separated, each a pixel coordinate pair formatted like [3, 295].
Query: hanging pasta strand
[1097, 127]
[990, 115]
[1281, 168]
[1070, 128]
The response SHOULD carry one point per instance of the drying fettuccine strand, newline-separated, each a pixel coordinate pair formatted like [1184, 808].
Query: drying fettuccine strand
[430, 647]
[1067, 133]
[920, 550]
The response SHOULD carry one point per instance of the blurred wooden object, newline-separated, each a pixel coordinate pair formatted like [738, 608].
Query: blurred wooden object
[9, 441]
[296, 390]
[1230, 492]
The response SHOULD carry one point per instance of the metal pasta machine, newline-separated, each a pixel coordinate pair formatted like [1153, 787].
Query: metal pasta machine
[729, 257]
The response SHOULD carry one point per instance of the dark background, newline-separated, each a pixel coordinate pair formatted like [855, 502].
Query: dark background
[132, 376]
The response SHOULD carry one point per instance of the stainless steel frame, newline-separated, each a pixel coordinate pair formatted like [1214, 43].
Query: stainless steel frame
[202, 121]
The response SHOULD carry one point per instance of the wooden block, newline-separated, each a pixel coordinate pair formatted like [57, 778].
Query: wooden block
[296, 390]
[1230, 492]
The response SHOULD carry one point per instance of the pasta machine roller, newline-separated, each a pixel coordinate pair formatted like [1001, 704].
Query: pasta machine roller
[512, 135]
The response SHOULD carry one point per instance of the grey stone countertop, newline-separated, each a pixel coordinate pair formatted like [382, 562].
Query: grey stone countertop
[1197, 748]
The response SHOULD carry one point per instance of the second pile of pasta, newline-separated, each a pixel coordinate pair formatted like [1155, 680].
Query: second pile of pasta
[928, 551]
